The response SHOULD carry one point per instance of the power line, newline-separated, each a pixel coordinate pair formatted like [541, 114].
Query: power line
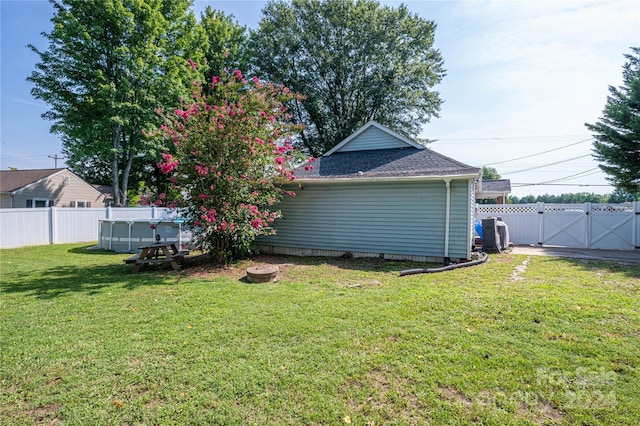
[574, 176]
[506, 139]
[546, 165]
[22, 157]
[540, 153]
[520, 185]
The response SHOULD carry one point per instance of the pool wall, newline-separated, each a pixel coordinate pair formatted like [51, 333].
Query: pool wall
[127, 235]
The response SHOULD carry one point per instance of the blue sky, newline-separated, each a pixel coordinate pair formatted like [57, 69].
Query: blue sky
[522, 79]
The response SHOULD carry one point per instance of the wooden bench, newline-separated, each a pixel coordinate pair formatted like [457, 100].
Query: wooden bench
[132, 259]
[179, 256]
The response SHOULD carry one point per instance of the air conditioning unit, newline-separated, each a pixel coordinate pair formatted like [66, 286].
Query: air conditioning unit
[490, 235]
[503, 232]
[495, 234]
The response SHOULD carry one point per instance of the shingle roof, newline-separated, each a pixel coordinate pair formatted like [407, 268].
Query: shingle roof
[11, 180]
[106, 190]
[496, 185]
[384, 163]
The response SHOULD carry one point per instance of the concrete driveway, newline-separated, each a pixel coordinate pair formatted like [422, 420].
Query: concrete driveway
[627, 256]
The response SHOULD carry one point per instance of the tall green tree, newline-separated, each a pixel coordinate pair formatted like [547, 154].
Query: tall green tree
[617, 133]
[227, 49]
[621, 196]
[490, 173]
[108, 65]
[355, 61]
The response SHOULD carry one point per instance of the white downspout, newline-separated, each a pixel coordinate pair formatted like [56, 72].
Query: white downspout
[447, 220]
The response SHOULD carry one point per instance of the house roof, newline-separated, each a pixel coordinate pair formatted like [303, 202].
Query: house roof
[493, 188]
[398, 137]
[496, 185]
[106, 190]
[384, 163]
[13, 180]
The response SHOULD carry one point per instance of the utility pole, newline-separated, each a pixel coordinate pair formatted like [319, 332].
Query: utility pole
[55, 158]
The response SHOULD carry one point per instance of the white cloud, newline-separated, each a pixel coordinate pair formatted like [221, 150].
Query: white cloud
[517, 69]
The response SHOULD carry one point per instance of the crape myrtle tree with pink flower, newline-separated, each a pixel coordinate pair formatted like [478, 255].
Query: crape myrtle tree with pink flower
[232, 156]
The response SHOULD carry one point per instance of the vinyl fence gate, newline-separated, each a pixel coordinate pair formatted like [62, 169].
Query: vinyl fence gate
[588, 225]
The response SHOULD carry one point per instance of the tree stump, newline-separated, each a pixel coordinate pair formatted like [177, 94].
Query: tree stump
[262, 273]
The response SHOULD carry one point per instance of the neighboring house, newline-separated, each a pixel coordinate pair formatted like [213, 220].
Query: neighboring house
[379, 194]
[107, 191]
[46, 188]
[497, 189]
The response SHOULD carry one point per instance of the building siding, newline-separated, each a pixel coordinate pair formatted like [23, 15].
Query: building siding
[5, 201]
[399, 218]
[373, 138]
[460, 221]
[54, 189]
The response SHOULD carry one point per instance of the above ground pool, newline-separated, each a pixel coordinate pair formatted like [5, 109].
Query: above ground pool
[126, 235]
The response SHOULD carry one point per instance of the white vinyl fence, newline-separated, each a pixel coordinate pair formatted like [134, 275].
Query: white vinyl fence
[54, 225]
[603, 226]
[606, 226]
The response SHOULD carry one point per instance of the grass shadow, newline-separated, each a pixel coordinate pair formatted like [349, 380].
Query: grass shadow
[61, 280]
[93, 250]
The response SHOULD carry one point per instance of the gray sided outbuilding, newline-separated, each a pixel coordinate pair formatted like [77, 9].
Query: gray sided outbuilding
[379, 194]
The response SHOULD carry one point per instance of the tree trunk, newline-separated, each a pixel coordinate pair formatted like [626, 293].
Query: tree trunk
[130, 153]
[114, 167]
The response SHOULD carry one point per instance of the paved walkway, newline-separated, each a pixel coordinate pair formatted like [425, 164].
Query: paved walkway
[628, 256]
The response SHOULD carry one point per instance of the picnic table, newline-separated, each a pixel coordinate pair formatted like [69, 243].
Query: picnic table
[166, 252]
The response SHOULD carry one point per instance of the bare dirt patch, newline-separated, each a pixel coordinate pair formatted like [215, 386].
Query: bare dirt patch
[54, 381]
[201, 266]
[516, 275]
[541, 414]
[456, 396]
[44, 415]
[388, 396]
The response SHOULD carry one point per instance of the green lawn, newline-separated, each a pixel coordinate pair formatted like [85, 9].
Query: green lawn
[516, 340]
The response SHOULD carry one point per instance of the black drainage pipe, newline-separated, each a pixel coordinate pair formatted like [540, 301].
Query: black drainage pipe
[484, 258]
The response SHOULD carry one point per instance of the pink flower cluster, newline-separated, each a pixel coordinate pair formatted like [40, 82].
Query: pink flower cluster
[186, 113]
[224, 226]
[202, 170]
[208, 215]
[169, 163]
[310, 166]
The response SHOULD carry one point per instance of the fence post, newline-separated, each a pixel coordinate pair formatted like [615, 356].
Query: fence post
[540, 206]
[52, 225]
[636, 225]
[109, 212]
[587, 236]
